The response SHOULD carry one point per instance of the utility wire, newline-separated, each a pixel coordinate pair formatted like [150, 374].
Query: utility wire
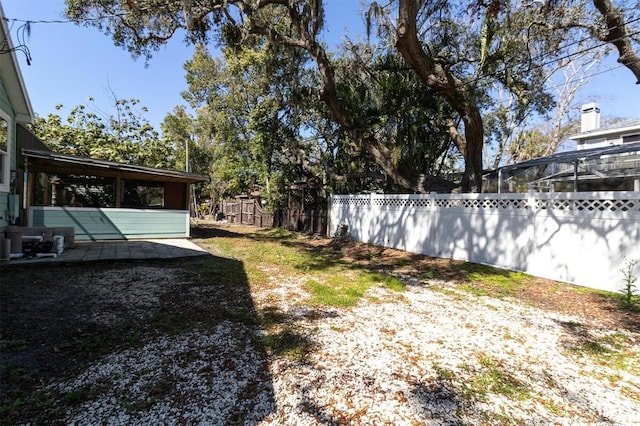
[24, 29]
[588, 76]
[590, 37]
[567, 56]
[64, 21]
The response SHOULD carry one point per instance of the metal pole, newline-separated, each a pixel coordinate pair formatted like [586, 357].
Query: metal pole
[575, 176]
[186, 161]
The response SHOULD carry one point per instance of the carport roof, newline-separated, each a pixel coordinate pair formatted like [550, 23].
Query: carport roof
[51, 162]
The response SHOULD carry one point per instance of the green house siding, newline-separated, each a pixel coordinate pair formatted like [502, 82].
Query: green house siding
[113, 224]
[4, 208]
[7, 109]
[5, 104]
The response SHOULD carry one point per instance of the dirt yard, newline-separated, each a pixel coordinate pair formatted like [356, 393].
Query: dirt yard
[238, 338]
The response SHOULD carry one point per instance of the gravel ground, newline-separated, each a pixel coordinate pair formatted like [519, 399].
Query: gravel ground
[429, 355]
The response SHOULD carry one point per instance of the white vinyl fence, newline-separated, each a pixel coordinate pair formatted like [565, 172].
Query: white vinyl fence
[580, 238]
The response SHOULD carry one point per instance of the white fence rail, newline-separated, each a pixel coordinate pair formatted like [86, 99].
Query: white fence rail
[581, 238]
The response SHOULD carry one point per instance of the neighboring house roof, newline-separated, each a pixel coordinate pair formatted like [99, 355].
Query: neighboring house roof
[621, 127]
[568, 157]
[11, 75]
[48, 161]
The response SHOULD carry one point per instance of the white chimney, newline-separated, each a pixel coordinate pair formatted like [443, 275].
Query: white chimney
[590, 117]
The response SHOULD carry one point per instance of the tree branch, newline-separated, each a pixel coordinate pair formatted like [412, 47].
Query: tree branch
[618, 36]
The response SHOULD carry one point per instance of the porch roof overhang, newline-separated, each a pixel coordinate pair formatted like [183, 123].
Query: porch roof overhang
[51, 162]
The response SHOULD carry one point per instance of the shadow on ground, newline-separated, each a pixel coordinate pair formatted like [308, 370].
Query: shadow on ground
[101, 329]
[324, 253]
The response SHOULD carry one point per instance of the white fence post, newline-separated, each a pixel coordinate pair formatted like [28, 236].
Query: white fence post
[433, 246]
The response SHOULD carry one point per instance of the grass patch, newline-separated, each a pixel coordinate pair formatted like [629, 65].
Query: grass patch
[633, 393]
[483, 280]
[344, 295]
[474, 289]
[386, 280]
[135, 340]
[551, 407]
[346, 289]
[496, 378]
[618, 298]
[400, 262]
[137, 405]
[271, 316]
[594, 348]
[430, 272]
[333, 282]
[572, 325]
[275, 234]
[458, 296]
[274, 247]
[443, 372]
[78, 396]
[14, 344]
[11, 409]
[287, 342]
[615, 351]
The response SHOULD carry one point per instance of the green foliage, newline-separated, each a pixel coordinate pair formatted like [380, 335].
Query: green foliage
[192, 148]
[380, 95]
[125, 136]
[386, 280]
[280, 108]
[260, 103]
[78, 396]
[15, 343]
[239, 115]
[630, 290]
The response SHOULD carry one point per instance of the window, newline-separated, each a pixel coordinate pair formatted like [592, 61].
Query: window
[142, 194]
[5, 151]
[631, 138]
[73, 190]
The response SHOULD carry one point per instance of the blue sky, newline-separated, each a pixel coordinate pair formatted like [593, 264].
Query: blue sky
[72, 63]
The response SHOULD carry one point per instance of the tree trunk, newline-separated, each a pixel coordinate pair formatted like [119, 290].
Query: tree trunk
[381, 154]
[415, 182]
[362, 137]
[451, 88]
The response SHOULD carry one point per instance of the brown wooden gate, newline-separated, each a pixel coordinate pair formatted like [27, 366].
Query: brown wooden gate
[250, 212]
[247, 212]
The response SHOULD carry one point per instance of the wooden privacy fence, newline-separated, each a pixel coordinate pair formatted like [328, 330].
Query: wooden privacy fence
[308, 221]
[249, 212]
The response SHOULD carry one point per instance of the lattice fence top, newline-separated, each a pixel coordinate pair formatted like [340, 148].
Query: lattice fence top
[604, 205]
[353, 201]
[482, 203]
[397, 202]
[607, 202]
